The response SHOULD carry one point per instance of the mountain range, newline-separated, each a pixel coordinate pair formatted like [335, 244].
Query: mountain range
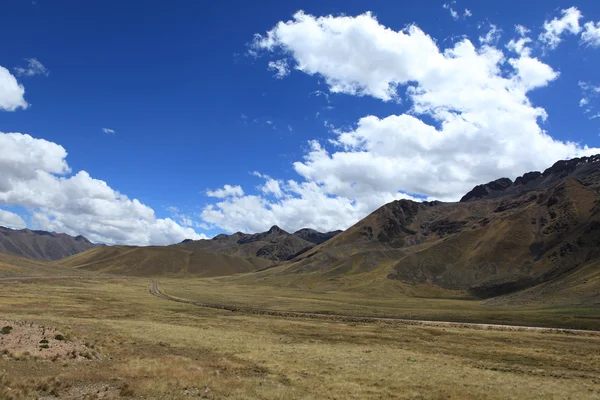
[538, 234]
[502, 237]
[41, 245]
[274, 244]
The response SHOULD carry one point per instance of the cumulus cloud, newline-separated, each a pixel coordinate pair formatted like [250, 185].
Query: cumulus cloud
[33, 68]
[34, 174]
[109, 131]
[469, 121]
[298, 205]
[554, 29]
[11, 220]
[11, 92]
[591, 34]
[226, 191]
[520, 46]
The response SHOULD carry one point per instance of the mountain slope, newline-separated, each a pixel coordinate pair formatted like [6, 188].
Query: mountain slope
[41, 245]
[275, 244]
[12, 266]
[501, 238]
[156, 260]
[223, 255]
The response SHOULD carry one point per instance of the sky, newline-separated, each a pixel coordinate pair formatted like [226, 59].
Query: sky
[150, 123]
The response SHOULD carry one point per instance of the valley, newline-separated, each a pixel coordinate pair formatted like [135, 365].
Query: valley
[496, 296]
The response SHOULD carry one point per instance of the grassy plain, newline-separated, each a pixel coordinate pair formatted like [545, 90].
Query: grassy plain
[384, 298]
[153, 348]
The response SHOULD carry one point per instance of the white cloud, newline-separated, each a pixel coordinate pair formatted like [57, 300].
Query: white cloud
[271, 186]
[11, 92]
[302, 205]
[109, 131]
[470, 121]
[522, 30]
[11, 220]
[492, 36]
[34, 67]
[34, 174]
[280, 67]
[453, 13]
[591, 34]
[467, 13]
[519, 46]
[588, 92]
[226, 191]
[568, 23]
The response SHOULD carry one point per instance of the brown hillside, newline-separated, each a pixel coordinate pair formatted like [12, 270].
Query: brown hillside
[154, 261]
[41, 245]
[11, 265]
[490, 245]
[275, 244]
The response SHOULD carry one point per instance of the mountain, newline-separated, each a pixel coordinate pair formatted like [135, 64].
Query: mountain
[583, 169]
[222, 255]
[160, 260]
[12, 266]
[41, 245]
[274, 244]
[316, 237]
[501, 237]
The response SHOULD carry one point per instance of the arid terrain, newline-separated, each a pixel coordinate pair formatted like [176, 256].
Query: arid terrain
[143, 346]
[496, 296]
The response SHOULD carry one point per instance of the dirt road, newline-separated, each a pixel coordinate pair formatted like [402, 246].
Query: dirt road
[154, 290]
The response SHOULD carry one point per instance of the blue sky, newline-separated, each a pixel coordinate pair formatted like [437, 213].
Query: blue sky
[167, 103]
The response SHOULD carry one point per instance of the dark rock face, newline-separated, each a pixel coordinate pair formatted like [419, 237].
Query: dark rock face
[446, 227]
[586, 169]
[316, 237]
[41, 245]
[528, 177]
[401, 214]
[564, 167]
[272, 233]
[481, 191]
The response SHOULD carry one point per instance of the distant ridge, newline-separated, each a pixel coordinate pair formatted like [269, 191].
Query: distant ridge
[577, 168]
[274, 244]
[41, 245]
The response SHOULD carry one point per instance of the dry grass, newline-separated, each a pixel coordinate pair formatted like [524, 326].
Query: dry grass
[158, 261]
[392, 298]
[153, 348]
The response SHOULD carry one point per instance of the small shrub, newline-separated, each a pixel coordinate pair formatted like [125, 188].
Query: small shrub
[6, 330]
[44, 341]
[44, 346]
[59, 337]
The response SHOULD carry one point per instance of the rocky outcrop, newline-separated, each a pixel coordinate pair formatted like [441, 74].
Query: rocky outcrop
[316, 237]
[482, 191]
[583, 168]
